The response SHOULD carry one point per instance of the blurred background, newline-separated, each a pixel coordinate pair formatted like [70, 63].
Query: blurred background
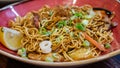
[7, 2]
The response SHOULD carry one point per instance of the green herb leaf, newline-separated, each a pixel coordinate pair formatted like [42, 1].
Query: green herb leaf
[80, 26]
[107, 45]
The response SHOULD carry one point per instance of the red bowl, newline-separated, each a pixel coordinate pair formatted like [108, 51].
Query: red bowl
[10, 12]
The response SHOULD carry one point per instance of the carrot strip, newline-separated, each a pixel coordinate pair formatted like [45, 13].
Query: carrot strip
[98, 45]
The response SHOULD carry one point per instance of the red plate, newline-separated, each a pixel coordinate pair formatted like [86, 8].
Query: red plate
[23, 8]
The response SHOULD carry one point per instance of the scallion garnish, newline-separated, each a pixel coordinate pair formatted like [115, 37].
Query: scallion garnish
[73, 11]
[72, 17]
[76, 15]
[22, 52]
[86, 43]
[54, 55]
[50, 13]
[85, 22]
[107, 45]
[80, 26]
[49, 59]
[61, 23]
[58, 39]
[79, 15]
[44, 31]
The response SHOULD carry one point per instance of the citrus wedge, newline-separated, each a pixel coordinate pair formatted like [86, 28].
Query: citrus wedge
[10, 38]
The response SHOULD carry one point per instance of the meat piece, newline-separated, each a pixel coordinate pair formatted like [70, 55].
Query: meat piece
[61, 11]
[34, 56]
[36, 19]
[56, 57]
[81, 54]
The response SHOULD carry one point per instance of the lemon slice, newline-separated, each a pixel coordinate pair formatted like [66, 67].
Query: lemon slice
[10, 38]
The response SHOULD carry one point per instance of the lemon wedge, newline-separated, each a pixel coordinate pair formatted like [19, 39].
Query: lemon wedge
[10, 38]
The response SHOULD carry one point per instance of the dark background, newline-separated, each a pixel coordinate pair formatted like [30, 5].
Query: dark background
[6, 2]
[6, 62]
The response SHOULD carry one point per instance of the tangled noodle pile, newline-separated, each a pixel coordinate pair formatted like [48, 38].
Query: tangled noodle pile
[65, 27]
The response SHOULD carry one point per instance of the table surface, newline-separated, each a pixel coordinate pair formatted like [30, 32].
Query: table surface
[6, 62]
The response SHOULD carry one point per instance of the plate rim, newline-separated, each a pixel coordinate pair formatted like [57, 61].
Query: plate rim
[61, 64]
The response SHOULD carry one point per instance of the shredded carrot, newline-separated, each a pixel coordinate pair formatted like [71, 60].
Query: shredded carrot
[98, 45]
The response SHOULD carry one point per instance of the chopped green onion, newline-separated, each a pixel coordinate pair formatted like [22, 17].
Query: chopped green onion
[107, 45]
[80, 26]
[62, 23]
[73, 17]
[85, 22]
[79, 15]
[49, 59]
[76, 15]
[22, 52]
[73, 11]
[44, 31]
[47, 33]
[59, 38]
[70, 22]
[54, 30]
[71, 34]
[66, 30]
[50, 13]
[55, 55]
[86, 43]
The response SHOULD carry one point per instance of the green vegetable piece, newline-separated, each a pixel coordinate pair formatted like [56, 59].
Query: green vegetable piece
[85, 22]
[47, 33]
[80, 27]
[76, 15]
[59, 38]
[79, 15]
[50, 13]
[70, 22]
[73, 17]
[44, 31]
[71, 34]
[86, 43]
[73, 11]
[55, 55]
[49, 59]
[107, 45]
[61, 23]
[22, 52]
